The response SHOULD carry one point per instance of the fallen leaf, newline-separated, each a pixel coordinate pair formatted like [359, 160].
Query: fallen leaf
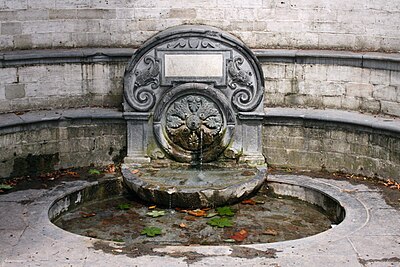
[249, 202]
[181, 210]
[248, 173]
[240, 236]
[220, 222]
[183, 225]
[5, 187]
[156, 213]
[189, 218]
[94, 172]
[86, 214]
[348, 191]
[270, 232]
[73, 174]
[211, 214]
[197, 213]
[151, 231]
[124, 206]
[110, 168]
[225, 211]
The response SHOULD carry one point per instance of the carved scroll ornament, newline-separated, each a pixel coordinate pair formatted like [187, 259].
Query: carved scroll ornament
[139, 95]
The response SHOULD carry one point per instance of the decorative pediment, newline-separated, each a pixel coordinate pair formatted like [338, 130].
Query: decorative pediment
[193, 54]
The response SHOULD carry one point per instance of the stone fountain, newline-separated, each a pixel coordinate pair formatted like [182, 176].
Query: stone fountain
[193, 102]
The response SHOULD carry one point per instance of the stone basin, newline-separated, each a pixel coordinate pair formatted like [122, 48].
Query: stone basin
[193, 187]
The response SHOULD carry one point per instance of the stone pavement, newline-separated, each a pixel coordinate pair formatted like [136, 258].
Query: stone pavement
[369, 236]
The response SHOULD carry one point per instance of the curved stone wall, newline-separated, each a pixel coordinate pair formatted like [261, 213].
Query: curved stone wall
[39, 142]
[320, 140]
[344, 81]
[365, 25]
[333, 141]
[367, 82]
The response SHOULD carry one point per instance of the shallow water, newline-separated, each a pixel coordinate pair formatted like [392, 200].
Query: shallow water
[272, 219]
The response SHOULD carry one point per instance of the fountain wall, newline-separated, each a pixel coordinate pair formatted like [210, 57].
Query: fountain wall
[47, 62]
[365, 25]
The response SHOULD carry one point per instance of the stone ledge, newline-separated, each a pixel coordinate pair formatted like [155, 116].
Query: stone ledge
[338, 116]
[373, 60]
[389, 124]
[10, 120]
[60, 56]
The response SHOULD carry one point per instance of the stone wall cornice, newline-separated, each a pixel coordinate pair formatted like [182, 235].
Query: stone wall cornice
[373, 60]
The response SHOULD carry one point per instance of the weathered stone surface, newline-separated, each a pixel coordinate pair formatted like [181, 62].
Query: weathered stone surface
[181, 186]
[333, 141]
[260, 24]
[43, 141]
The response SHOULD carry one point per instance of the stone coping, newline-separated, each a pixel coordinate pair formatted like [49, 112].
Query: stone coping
[10, 120]
[391, 124]
[373, 60]
[366, 236]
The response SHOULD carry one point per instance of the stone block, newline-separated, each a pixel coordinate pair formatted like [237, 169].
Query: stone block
[342, 41]
[41, 40]
[370, 105]
[182, 13]
[378, 152]
[239, 14]
[210, 13]
[14, 5]
[346, 74]
[283, 86]
[151, 13]
[379, 77]
[357, 138]
[359, 89]
[125, 13]
[315, 72]
[96, 14]
[65, 4]
[304, 159]
[395, 78]
[350, 103]
[8, 75]
[332, 101]
[276, 156]
[274, 71]
[63, 14]
[61, 39]
[11, 28]
[33, 14]
[390, 108]
[337, 134]
[13, 91]
[337, 146]
[23, 41]
[385, 92]
[7, 15]
[39, 4]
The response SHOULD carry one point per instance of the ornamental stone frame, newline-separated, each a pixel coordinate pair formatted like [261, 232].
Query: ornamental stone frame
[194, 94]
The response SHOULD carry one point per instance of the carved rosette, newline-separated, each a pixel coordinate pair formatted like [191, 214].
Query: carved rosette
[193, 122]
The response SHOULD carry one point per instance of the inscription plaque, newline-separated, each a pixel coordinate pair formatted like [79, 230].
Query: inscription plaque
[195, 65]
